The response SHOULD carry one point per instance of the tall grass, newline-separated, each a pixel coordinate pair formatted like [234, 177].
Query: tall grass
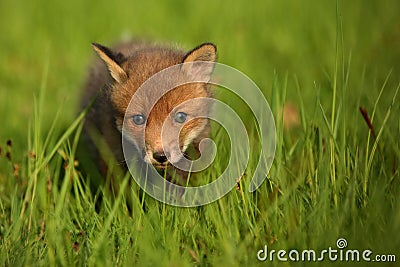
[332, 177]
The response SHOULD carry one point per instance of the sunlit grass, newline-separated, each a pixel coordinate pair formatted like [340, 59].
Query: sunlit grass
[331, 177]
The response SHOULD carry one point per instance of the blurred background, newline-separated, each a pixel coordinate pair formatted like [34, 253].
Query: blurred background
[46, 44]
[329, 178]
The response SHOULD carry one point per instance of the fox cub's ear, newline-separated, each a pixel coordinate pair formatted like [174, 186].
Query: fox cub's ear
[111, 60]
[204, 52]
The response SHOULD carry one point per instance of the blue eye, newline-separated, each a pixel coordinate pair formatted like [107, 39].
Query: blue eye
[138, 119]
[180, 117]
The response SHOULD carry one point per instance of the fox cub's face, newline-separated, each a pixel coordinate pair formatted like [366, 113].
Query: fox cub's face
[160, 129]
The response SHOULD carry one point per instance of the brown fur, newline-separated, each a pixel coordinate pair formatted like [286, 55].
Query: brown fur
[113, 81]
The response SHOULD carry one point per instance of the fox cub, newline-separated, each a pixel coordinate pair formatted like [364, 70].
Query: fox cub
[112, 82]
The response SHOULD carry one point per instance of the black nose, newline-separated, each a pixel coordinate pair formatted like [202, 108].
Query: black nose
[160, 157]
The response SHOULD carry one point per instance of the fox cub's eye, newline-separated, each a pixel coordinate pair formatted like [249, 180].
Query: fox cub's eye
[138, 119]
[180, 117]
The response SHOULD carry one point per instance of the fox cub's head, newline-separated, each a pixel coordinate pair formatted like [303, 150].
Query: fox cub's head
[161, 124]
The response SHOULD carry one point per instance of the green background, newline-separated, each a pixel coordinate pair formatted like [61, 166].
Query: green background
[329, 180]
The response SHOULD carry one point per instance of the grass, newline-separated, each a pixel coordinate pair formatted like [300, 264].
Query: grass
[331, 176]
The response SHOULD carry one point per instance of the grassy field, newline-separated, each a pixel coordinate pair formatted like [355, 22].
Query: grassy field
[333, 176]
